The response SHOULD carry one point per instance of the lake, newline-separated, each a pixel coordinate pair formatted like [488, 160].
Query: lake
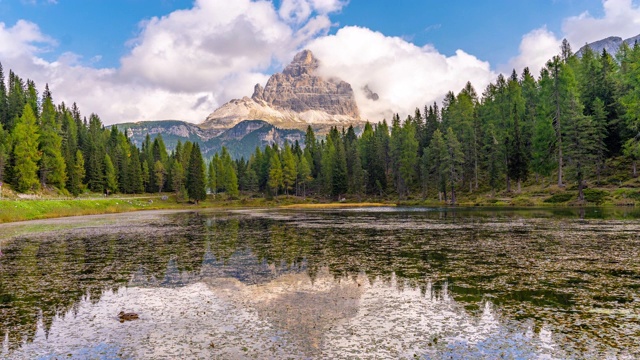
[392, 283]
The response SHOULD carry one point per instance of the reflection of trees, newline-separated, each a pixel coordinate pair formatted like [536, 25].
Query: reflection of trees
[53, 275]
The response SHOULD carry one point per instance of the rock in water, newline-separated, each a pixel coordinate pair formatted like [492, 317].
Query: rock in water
[294, 98]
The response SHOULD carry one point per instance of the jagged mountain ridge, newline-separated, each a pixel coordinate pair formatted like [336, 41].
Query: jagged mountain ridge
[611, 44]
[241, 140]
[294, 98]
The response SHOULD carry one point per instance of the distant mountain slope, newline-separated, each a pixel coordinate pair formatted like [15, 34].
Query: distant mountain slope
[611, 44]
[241, 140]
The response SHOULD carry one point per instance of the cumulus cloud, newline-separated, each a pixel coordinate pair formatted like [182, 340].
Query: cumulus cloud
[181, 66]
[621, 18]
[187, 63]
[536, 48]
[404, 75]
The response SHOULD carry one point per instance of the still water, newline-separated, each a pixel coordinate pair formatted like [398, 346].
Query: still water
[358, 283]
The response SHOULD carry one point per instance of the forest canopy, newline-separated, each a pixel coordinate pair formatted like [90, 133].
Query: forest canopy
[567, 123]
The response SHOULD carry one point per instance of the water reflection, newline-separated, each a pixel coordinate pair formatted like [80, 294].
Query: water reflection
[327, 284]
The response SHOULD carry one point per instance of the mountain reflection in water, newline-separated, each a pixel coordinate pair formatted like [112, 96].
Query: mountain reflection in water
[332, 284]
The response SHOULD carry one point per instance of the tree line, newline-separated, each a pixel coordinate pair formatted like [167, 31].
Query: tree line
[578, 114]
[569, 122]
[44, 146]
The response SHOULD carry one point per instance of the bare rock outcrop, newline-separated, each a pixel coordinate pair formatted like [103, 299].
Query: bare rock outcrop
[294, 98]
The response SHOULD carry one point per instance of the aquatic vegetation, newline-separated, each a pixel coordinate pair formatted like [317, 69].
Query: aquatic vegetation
[378, 282]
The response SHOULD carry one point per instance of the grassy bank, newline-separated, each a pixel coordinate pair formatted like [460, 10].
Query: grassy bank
[15, 209]
[20, 210]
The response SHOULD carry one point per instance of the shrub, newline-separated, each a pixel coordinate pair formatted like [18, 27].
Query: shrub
[595, 196]
[559, 198]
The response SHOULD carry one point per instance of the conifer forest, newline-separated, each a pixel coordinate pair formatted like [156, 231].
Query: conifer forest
[576, 124]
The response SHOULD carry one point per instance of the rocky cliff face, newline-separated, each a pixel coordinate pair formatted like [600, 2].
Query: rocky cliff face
[294, 98]
[611, 44]
[241, 140]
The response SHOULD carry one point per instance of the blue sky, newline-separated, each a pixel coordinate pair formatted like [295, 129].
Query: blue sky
[131, 60]
[490, 30]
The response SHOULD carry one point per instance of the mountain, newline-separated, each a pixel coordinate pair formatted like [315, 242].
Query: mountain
[295, 98]
[241, 140]
[611, 44]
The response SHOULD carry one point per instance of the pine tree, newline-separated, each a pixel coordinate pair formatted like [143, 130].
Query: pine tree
[135, 185]
[16, 100]
[4, 105]
[160, 173]
[289, 171]
[212, 182]
[53, 169]
[275, 174]
[94, 161]
[4, 153]
[452, 161]
[177, 178]
[518, 164]
[229, 179]
[76, 186]
[304, 174]
[433, 162]
[196, 176]
[111, 180]
[26, 155]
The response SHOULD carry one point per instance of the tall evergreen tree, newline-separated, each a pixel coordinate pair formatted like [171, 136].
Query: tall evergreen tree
[452, 161]
[196, 176]
[77, 175]
[53, 169]
[275, 174]
[4, 105]
[111, 180]
[25, 151]
[289, 170]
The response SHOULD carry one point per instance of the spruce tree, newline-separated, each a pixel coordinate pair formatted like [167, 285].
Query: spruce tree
[289, 171]
[452, 161]
[111, 180]
[275, 174]
[160, 173]
[4, 153]
[25, 152]
[196, 176]
[4, 105]
[77, 175]
[53, 169]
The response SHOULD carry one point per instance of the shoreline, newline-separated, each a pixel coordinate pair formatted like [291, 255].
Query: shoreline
[14, 211]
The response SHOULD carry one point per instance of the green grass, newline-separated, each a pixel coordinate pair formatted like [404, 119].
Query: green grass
[20, 210]
[532, 195]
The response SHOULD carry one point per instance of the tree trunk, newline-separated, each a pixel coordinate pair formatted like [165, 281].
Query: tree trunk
[560, 163]
[580, 184]
[508, 184]
[453, 194]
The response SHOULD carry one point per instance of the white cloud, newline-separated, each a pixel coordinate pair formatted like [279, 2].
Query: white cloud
[621, 18]
[536, 48]
[404, 75]
[187, 63]
[181, 66]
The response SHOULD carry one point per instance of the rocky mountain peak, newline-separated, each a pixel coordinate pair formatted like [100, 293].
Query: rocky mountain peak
[296, 97]
[611, 45]
[304, 63]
